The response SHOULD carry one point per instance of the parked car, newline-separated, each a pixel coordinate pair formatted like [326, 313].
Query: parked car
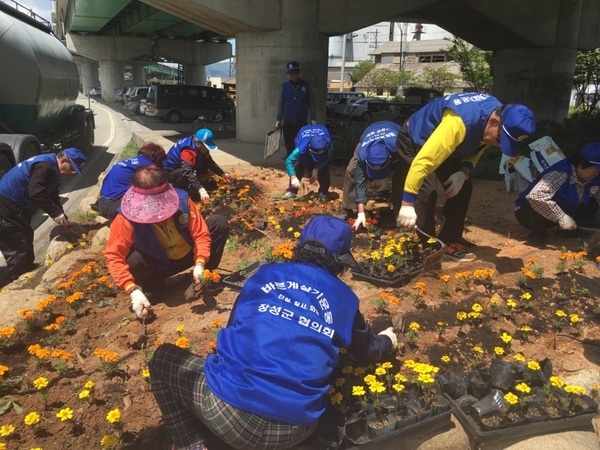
[333, 97]
[337, 109]
[95, 91]
[365, 107]
[143, 106]
[119, 93]
[134, 99]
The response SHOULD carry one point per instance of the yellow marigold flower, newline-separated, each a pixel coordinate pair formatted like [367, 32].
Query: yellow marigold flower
[114, 415]
[575, 390]
[560, 313]
[32, 418]
[387, 365]
[358, 390]
[380, 371]
[511, 303]
[40, 383]
[477, 349]
[400, 378]
[473, 315]
[377, 386]
[84, 394]
[52, 327]
[89, 384]
[414, 326]
[557, 382]
[519, 357]
[3, 370]
[476, 307]
[526, 329]
[445, 278]
[336, 398]
[511, 398]
[65, 414]
[494, 300]
[523, 387]
[574, 318]
[6, 430]
[182, 342]
[526, 296]
[506, 338]
[533, 365]
[180, 328]
[7, 332]
[499, 351]
[370, 379]
[296, 234]
[146, 373]
[398, 387]
[109, 441]
[461, 315]
[391, 268]
[446, 359]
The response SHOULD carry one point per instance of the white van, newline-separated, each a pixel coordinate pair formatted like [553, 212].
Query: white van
[333, 97]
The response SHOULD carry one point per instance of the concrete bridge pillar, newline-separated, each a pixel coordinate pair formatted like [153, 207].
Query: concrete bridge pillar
[194, 74]
[88, 74]
[263, 56]
[138, 74]
[111, 77]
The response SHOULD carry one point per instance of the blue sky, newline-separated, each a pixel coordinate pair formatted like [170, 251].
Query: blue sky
[42, 7]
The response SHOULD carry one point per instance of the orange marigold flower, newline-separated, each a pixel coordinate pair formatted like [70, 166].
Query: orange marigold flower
[74, 297]
[26, 314]
[182, 342]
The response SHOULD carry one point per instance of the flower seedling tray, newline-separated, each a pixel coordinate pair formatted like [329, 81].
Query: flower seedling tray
[236, 280]
[519, 431]
[433, 423]
[396, 281]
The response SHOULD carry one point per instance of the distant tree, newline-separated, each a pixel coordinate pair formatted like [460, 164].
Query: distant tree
[441, 79]
[361, 69]
[474, 64]
[587, 73]
[379, 80]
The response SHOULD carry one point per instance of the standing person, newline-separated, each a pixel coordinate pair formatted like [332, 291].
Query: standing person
[158, 233]
[32, 184]
[566, 193]
[444, 140]
[189, 165]
[312, 153]
[375, 158]
[266, 385]
[118, 179]
[295, 104]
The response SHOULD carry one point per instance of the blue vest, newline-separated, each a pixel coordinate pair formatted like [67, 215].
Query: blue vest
[474, 109]
[295, 101]
[385, 131]
[173, 160]
[276, 356]
[14, 184]
[566, 196]
[146, 242]
[118, 178]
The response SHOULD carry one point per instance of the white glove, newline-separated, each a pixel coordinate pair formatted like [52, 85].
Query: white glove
[566, 222]
[61, 220]
[454, 183]
[204, 195]
[313, 122]
[389, 332]
[140, 304]
[407, 217]
[295, 182]
[227, 177]
[278, 124]
[314, 175]
[360, 220]
[198, 273]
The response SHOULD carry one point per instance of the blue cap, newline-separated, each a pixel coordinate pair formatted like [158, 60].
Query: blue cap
[292, 67]
[517, 124]
[377, 159]
[591, 153]
[76, 158]
[205, 136]
[317, 147]
[334, 235]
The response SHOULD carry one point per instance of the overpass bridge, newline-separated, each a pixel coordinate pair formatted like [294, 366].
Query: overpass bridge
[535, 44]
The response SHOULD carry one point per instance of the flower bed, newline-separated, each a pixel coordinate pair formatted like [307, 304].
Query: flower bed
[508, 400]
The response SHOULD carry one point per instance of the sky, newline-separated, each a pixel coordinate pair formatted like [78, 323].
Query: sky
[43, 8]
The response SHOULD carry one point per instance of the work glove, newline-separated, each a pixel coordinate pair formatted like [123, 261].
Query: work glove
[454, 183]
[227, 177]
[295, 182]
[407, 217]
[360, 220]
[61, 220]
[313, 176]
[198, 273]
[389, 332]
[140, 304]
[313, 122]
[204, 195]
[566, 222]
[278, 124]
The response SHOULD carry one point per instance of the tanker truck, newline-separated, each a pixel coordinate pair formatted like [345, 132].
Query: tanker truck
[39, 84]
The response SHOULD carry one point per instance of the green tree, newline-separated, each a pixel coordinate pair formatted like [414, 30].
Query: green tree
[474, 64]
[380, 80]
[587, 73]
[361, 69]
[441, 79]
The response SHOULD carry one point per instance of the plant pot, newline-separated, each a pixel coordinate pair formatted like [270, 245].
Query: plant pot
[355, 429]
[502, 374]
[452, 385]
[440, 404]
[491, 403]
[478, 386]
[406, 421]
[380, 425]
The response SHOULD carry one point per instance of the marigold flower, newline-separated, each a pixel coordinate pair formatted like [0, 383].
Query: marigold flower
[499, 351]
[446, 359]
[146, 373]
[89, 384]
[560, 313]
[387, 365]
[523, 387]
[445, 278]
[511, 398]
[476, 307]
[109, 441]
[414, 326]
[526, 329]
[575, 390]
[477, 349]
[6, 430]
[556, 381]
[519, 357]
[336, 398]
[182, 342]
[216, 323]
[340, 382]
[40, 383]
[526, 296]
[533, 365]
[180, 328]
[114, 415]
[511, 303]
[26, 314]
[7, 332]
[3, 369]
[358, 390]
[377, 386]
[506, 338]
[574, 318]
[398, 387]
[32, 418]
[65, 414]
[370, 379]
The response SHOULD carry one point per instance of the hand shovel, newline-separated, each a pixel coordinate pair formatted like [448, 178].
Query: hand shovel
[193, 292]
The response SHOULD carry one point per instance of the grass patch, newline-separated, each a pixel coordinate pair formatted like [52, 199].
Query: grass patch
[130, 151]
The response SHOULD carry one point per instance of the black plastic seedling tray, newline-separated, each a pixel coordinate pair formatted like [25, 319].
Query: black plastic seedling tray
[236, 280]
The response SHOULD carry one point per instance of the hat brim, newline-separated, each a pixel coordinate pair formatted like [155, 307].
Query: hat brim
[508, 145]
[76, 168]
[292, 71]
[377, 174]
[347, 260]
[147, 209]
[319, 157]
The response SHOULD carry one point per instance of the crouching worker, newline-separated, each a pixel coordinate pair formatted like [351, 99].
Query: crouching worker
[158, 232]
[266, 385]
[312, 153]
[566, 193]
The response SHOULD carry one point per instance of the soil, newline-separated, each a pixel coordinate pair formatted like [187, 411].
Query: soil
[500, 247]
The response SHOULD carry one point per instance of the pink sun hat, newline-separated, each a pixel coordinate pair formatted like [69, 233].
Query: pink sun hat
[150, 205]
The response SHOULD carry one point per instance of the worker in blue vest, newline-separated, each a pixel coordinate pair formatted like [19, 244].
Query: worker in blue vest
[118, 179]
[267, 384]
[189, 165]
[312, 153]
[565, 194]
[296, 104]
[443, 141]
[32, 184]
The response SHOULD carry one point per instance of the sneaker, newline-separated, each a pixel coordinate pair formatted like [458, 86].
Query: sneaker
[468, 244]
[456, 252]
[322, 197]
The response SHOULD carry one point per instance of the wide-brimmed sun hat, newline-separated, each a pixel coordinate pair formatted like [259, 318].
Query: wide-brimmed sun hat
[333, 235]
[517, 124]
[317, 147]
[76, 158]
[377, 160]
[150, 205]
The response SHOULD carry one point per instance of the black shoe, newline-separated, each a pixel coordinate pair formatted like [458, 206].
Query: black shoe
[537, 240]
[468, 244]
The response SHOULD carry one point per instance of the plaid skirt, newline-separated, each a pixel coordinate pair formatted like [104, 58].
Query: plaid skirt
[191, 411]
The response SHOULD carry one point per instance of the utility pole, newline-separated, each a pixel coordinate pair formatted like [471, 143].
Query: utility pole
[343, 65]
